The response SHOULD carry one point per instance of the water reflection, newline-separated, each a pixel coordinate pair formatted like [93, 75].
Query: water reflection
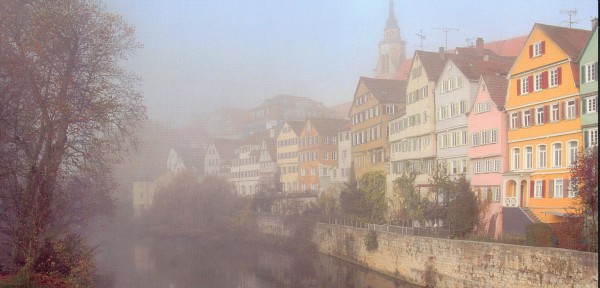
[143, 262]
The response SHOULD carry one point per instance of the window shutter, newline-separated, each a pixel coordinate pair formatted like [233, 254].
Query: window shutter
[543, 189]
[582, 74]
[530, 51]
[546, 113]
[519, 119]
[585, 139]
[530, 83]
[562, 112]
[583, 106]
[543, 44]
[545, 80]
[518, 87]
[559, 72]
[577, 108]
[566, 184]
[551, 188]
[532, 117]
[531, 183]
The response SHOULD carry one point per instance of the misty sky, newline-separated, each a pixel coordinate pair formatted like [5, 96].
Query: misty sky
[202, 54]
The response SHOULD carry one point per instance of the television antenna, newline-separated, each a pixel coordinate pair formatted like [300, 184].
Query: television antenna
[421, 37]
[571, 14]
[446, 30]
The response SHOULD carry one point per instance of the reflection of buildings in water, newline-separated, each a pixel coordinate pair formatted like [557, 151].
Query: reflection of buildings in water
[141, 258]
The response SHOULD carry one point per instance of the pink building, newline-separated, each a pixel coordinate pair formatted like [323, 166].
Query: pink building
[488, 147]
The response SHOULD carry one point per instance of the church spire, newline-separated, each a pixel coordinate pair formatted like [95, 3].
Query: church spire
[391, 21]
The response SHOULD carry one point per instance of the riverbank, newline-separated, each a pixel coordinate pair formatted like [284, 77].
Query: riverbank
[450, 263]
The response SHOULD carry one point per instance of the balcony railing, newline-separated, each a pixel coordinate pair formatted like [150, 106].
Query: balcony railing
[510, 201]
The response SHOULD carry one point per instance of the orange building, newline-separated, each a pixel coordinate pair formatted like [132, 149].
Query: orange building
[317, 151]
[544, 126]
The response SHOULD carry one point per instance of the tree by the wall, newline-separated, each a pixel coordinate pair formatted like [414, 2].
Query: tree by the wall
[372, 185]
[408, 198]
[464, 209]
[584, 180]
[440, 191]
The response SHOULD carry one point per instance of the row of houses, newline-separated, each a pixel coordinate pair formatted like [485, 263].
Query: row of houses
[513, 124]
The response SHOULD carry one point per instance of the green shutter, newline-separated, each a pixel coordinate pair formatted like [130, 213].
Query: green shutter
[585, 139]
[583, 106]
[582, 76]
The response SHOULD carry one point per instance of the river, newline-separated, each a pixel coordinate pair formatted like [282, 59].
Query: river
[128, 261]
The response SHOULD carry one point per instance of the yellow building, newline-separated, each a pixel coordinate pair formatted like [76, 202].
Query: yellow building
[376, 102]
[544, 123]
[287, 155]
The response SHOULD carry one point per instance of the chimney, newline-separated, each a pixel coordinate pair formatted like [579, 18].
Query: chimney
[594, 23]
[479, 46]
[441, 50]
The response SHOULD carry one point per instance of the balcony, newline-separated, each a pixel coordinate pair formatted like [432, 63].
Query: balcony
[510, 202]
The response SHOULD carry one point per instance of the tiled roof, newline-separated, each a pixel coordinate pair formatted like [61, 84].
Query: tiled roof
[473, 69]
[403, 70]
[508, 47]
[571, 41]
[386, 90]
[296, 126]
[496, 86]
[328, 127]
[433, 63]
[226, 147]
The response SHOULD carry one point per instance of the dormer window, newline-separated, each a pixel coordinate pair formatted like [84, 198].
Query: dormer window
[537, 49]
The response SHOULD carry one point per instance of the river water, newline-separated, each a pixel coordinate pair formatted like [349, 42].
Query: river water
[128, 261]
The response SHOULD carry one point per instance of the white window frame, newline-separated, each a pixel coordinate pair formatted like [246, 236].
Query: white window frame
[528, 158]
[592, 135]
[554, 112]
[572, 152]
[558, 188]
[524, 85]
[514, 120]
[553, 78]
[590, 72]
[526, 115]
[537, 189]
[474, 137]
[516, 159]
[537, 49]
[496, 165]
[537, 82]
[494, 136]
[591, 104]
[539, 115]
[570, 112]
[556, 155]
[484, 137]
[540, 157]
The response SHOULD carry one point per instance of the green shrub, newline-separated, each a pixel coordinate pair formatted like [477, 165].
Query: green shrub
[539, 235]
[371, 240]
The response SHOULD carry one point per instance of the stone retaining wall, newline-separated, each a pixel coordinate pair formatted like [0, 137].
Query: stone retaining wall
[453, 263]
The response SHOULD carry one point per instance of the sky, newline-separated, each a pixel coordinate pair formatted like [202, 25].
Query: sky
[200, 55]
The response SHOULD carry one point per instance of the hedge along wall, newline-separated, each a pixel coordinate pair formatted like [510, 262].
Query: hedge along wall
[455, 263]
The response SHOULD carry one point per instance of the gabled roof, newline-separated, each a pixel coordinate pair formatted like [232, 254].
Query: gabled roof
[473, 69]
[328, 127]
[496, 86]
[386, 90]
[226, 147]
[571, 41]
[587, 43]
[433, 63]
[403, 70]
[508, 47]
[296, 126]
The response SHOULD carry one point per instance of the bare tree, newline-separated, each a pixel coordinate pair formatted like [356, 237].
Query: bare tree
[68, 113]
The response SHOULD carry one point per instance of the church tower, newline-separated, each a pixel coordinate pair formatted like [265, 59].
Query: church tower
[392, 48]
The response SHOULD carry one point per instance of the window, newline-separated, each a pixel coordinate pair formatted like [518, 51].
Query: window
[313, 171]
[554, 112]
[528, 158]
[494, 136]
[556, 155]
[537, 189]
[570, 109]
[474, 139]
[539, 116]
[496, 165]
[514, 120]
[526, 118]
[553, 79]
[592, 137]
[541, 157]
[478, 167]
[516, 158]
[537, 82]
[488, 166]
[334, 155]
[484, 137]
[524, 85]
[303, 173]
[590, 72]
[590, 105]
[537, 49]
[495, 194]
[573, 152]
[324, 171]
[558, 188]
[325, 155]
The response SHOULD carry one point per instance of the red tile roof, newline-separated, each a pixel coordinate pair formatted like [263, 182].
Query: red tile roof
[386, 90]
[403, 70]
[571, 41]
[507, 47]
[496, 86]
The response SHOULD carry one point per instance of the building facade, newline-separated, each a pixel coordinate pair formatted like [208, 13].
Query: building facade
[287, 155]
[588, 90]
[544, 123]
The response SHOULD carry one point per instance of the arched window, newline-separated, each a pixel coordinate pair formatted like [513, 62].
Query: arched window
[516, 159]
[573, 151]
[557, 155]
[542, 156]
[528, 158]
